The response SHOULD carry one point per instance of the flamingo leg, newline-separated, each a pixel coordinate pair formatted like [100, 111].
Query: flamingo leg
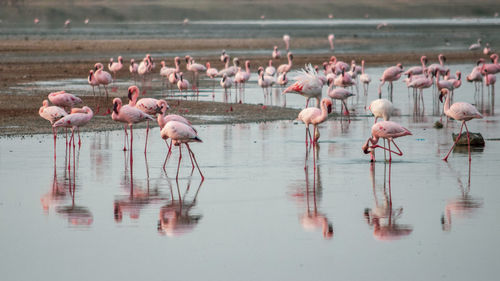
[79, 140]
[147, 133]
[131, 141]
[55, 134]
[196, 162]
[125, 140]
[168, 154]
[468, 140]
[179, 164]
[458, 138]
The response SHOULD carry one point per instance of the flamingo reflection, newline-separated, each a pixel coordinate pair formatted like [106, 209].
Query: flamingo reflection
[383, 217]
[137, 197]
[175, 217]
[460, 206]
[312, 219]
[75, 214]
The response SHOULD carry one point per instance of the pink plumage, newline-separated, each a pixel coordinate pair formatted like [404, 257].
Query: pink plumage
[64, 99]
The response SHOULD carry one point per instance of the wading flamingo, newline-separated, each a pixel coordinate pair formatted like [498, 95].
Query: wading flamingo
[315, 116]
[115, 66]
[460, 111]
[270, 69]
[286, 67]
[331, 37]
[182, 84]
[388, 130]
[308, 84]
[276, 53]
[104, 78]
[390, 75]
[75, 120]
[52, 114]
[64, 99]
[286, 39]
[364, 78]
[340, 94]
[181, 133]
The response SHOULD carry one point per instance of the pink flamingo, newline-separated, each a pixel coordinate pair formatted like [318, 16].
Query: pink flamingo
[146, 105]
[286, 39]
[129, 115]
[104, 78]
[476, 76]
[390, 75]
[115, 66]
[270, 69]
[75, 120]
[308, 84]
[388, 130]
[418, 69]
[64, 99]
[182, 84]
[490, 81]
[460, 111]
[487, 49]
[195, 68]
[439, 67]
[226, 83]
[491, 68]
[282, 80]
[229, 70]
[340, 94]
[180, 133]
[475, 46]
[315, 116]
[286, 67]
[264, 81]
[337, 65]
[212, 73]
[331, 37]
[364, 78]
[133, 69]
[276, 53]
[51, 114]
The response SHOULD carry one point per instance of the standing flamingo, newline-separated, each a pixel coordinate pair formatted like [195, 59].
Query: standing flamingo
[340, 94]
[146, 105]
[133, 69]
[180, 133]
[52, 114]
[264, 81]
[286, 67]
[104, 78]
[308, 84]
[75, 121]
[212, 73]
[315, 116]
[418, 69]
[390, 75]
[195, 68]
[242, 76]
[364, 78]
[226, 83]
[182, 84]
[286, 39]
[276, 53]
[460, 111]
[381, 108]
[475, 46]
[115, 66]
[229, 70]
[129, 115]
[64, 99]
[331, 37]
[270, 69]
[440, 67]
[388, 130]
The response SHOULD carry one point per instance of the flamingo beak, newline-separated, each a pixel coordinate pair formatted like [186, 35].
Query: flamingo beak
[329, 108]
[441, 95]
[366, 147]
[159, 109]
[129, 95]
[291, 57]
[115, 107]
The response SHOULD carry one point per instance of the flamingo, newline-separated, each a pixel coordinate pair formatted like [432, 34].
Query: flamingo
[476, 76]
[163, 119]
[182, 84]
[344, 80]
[92, 81]
[491, 68]
[276, 53]
[460, 111]
[129, 115]
[390, 75]
[146, 105]
[104, 78]
[63, 99]
[270, 69]
[438, 66]
[212, 73]
[331, 37]
[74, 121]
[388, 130]
[475, 46]
[226, 83]
[337, 65]
[51, 114]
[241, 76]
[229, 70]
[417, 69]
[265, 81]
[315, 116]
[340, 94]
[364, 78]
[115, 66]
[286, 67]
[308, 84]
[180, 133]
[195, 68]
[223, 56]
[286, 39]
[282, 80]
[381, 108]
[487, 49]
[133, 68]
[169, 72]
[490, 80]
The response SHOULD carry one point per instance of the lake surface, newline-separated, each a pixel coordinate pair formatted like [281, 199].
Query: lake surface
[258, 214]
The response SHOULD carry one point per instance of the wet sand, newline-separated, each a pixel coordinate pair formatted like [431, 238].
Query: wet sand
[20, 115]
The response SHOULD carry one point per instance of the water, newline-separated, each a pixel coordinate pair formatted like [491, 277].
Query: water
[252, 209]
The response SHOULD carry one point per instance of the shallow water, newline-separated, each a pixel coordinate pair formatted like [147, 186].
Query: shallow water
[257, 207]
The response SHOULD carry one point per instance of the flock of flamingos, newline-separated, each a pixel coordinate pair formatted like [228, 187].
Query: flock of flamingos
[309, 82]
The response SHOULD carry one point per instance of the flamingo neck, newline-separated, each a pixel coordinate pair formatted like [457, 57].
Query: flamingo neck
[447, 103]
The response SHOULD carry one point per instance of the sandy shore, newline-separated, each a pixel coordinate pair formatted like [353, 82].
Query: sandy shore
[20, 115]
